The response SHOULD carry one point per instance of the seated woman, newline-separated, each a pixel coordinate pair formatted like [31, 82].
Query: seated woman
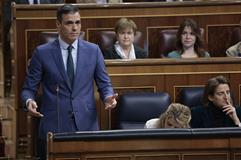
[235, 50]
[124, 48]
[176, 116]
[218, 109]
[189, 42]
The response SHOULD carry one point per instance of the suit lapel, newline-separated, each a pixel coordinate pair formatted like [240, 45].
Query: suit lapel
[78, 63]
[79, 69]
[56, 52]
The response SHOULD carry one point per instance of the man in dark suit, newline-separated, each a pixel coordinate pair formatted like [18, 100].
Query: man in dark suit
[66, 70]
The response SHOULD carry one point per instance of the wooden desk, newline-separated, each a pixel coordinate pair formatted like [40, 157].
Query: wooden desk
[159, 144]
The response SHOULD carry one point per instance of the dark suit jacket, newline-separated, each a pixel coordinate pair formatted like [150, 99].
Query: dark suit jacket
[112, 54]
[211, 116]
[67, 109]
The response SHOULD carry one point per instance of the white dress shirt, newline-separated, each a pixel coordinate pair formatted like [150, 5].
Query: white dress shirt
[32, 1]
[64, 52]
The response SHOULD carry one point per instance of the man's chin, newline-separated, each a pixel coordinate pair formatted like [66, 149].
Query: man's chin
[72, 39]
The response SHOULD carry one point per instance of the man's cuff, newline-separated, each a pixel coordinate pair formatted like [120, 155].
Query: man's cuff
[25, 107]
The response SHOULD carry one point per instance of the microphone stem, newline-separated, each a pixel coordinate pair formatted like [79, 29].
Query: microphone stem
[57, 101]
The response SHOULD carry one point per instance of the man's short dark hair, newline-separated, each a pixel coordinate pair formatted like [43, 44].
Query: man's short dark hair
[66, 9]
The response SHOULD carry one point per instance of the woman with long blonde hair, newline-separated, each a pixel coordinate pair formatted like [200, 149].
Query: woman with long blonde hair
[176, 116]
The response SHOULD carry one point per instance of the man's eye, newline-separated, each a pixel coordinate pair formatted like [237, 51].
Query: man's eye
[77, 22]
[71, 22]
[68, 22]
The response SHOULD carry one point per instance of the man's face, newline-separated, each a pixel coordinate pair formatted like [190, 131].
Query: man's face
[221, 96]
[70, 26]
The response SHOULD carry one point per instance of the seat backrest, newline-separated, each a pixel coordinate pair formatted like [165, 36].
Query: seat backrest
[235, 36]
[167, 41]
[191, 96]
[51, 36]
[106, 39]
[134, 109]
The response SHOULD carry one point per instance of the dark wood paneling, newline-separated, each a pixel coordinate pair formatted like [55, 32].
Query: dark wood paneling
[221, 32]
[1, 22]
[212, 156]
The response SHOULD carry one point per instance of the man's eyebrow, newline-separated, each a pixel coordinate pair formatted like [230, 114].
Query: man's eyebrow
[70, 22]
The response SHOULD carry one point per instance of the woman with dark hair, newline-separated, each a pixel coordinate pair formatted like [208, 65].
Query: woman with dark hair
[189, 42]
[218, 109]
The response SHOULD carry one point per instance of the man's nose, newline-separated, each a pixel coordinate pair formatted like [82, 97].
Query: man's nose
[74, 27]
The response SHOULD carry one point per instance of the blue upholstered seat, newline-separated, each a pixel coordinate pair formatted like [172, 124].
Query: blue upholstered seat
[191, 96]
[134, 109]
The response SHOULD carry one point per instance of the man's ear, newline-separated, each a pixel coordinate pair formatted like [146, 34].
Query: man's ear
[58, 24]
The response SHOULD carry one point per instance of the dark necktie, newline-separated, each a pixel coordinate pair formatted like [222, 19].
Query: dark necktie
[35, 1]
[70, 65]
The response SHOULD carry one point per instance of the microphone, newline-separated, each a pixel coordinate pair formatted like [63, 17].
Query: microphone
[57, 105]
